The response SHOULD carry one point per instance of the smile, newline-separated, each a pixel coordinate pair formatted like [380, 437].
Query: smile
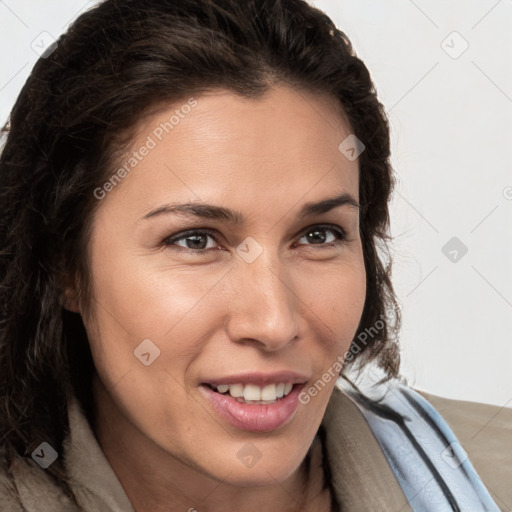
[247, 411]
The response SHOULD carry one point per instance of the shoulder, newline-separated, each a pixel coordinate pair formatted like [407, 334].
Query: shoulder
[485, 433]
[430, 463]
[25, 487]
[9, 496]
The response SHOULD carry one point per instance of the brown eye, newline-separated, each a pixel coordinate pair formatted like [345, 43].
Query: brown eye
[316, 235]
[195, 241]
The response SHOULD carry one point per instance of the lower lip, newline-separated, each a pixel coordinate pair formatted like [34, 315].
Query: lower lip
[254, 417]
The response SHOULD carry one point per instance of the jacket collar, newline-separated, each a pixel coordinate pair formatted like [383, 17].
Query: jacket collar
[361, 476]
[92, 479]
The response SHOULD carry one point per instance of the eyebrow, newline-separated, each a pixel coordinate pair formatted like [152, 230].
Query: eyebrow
[212, 212]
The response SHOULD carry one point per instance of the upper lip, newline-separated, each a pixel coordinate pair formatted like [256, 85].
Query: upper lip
[259, 378]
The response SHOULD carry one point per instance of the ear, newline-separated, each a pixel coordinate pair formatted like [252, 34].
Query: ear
[69, 297]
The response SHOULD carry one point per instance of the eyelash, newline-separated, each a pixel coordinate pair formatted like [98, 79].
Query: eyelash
[205, 231]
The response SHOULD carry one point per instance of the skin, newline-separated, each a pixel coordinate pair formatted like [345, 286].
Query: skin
[297, 306]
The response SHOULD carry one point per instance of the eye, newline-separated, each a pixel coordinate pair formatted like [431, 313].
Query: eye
[316, 235]
[196, 241]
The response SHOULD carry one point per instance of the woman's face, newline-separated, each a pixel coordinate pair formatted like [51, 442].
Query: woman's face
[273, 298]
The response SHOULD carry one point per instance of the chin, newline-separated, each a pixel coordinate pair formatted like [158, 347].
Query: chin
[272, 471]
[266, 476]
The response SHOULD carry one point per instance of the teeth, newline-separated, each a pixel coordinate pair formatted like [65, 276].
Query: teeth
[269, 392]
[236, 390]
[252, 393]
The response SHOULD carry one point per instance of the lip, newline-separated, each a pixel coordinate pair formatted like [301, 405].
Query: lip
[259, 378]
[254, 417]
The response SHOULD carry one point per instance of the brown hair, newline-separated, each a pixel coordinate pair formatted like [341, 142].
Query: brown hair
[70, 123]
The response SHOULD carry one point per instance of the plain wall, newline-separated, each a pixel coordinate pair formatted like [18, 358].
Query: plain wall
[450, 114]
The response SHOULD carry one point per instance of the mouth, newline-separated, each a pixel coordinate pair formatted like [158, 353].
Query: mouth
[254, 408]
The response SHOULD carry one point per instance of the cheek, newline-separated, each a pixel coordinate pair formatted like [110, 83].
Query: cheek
[347, 311]
[146, 298]
[135, 300]
[337, 297]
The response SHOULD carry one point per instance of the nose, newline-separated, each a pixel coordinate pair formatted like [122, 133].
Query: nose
[263, 308]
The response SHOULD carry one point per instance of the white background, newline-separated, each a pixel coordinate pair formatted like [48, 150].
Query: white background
[451, 120]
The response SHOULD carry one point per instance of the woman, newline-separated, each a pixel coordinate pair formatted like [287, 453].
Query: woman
[194, 217]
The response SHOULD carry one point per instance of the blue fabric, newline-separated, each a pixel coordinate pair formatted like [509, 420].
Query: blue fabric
[431, 466]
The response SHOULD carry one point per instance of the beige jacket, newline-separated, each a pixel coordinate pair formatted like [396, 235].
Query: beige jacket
[362, 478]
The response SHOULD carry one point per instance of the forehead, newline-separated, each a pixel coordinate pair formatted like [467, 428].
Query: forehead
[223, 146]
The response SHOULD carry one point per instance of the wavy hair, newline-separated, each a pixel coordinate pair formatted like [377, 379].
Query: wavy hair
[72, 120]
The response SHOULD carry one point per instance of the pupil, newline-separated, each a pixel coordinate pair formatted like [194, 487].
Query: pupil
[315, 237]
[195, 239]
